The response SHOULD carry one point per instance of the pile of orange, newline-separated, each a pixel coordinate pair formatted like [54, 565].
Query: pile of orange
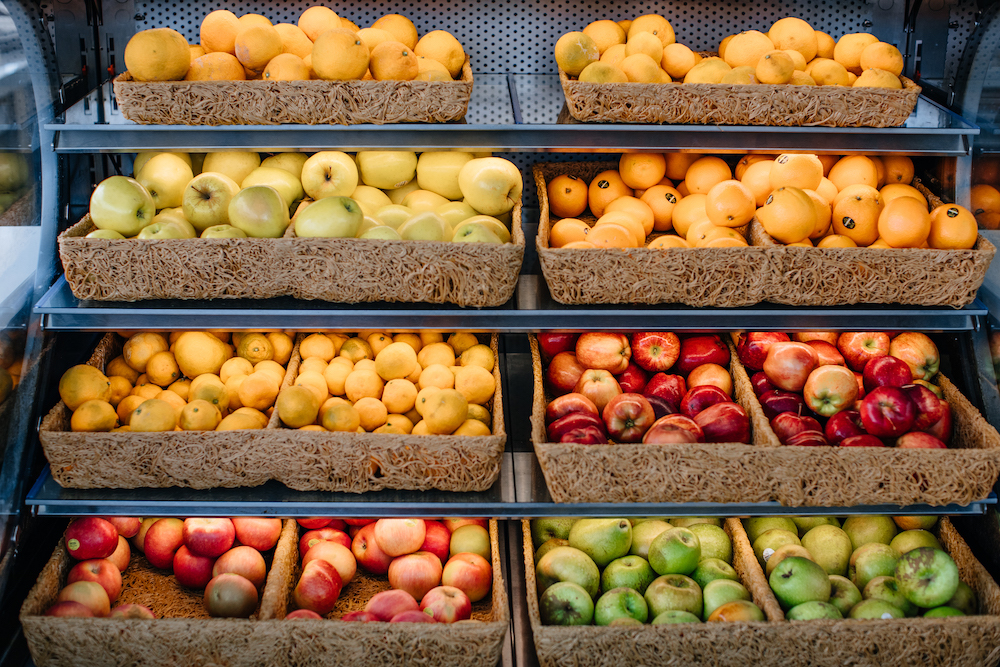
[322, 45]
[986, 205]
[645, 50]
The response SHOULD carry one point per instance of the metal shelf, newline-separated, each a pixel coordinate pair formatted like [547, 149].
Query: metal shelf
[512, 113]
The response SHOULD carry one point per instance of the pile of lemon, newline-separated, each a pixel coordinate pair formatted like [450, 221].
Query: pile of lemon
[645, 50]
[184, 381]
[322, 45]
[407, 383]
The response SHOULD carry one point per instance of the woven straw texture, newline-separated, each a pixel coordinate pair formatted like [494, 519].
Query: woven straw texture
[704, 277]
[360, 462]
[724, 104]
[183, 633]
[475, 643]
[299, 102]
[21, 213]
[362, 270]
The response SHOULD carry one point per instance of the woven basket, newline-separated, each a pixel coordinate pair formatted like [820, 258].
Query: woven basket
[725, 104]
[314, 102]
[769, 471]
[704, 277]
[360, 462]
[475, 643]
[183, 633]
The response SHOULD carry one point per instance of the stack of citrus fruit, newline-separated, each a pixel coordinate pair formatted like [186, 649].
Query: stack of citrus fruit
[322, 45]
[986, 205]
[187, 381]
[645, 50]
[11, 362]
[407, 383]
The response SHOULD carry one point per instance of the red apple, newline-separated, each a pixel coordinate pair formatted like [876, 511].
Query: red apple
[446, 604]
[661, 407]
[788, 365]
[127, 526]
[628, 417]
[305, 613]
[860, 347]
[929, 406]
[69, 609]
[587, 435]
[753, 346]
[315, 522]
[807, 439]
[191, 569]
[437, 539]
[453, 524]
[655, 351]
[699, 350]
[670, 388]
[861, 384]
[352, 532]
[101, 571]
[359, 617]
[830, 389]
[604, 351]
[599, 386]
[412, 617]
[775, 402]
[919, 352]
[367, 553]
[551, 343]
[163, 539]
[122, 555]
[568, 404]
[711, 374]
[209, 537]
[258, 532]
[244, 561]
[887, 412]
[139, 540]
[570, 422]
[318, 587]
[942, 429]
[471, 573]
[701, 398]
[88, 593]
[828, 354]
[91, 537]
[919, 440]
[326, 534]
[387, 604]
[415, 573]
[663, 430]
[788, 424]
[358, 523]
[132, 611]
[825, 336]
[863, 440]
[886, 372]
[563, 373]
[633, 379]
[843, 425]
[397, 537]
[337, 555]
[724, 422]
[761, 385]
[936, 390]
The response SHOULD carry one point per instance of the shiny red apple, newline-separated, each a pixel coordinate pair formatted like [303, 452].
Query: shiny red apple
[830, 389]
[552, 343]
[888, 412]
[698, 350]
[568, 404]
[628, 417]
[777, 401]
[919, 440]
[701, 398]
[724, 422]
[599, 385]
[788, 424]
[655, 351]
[633, 379]
[941, 429]
[788, 365]
[843, 425]
[863, 440]
[670, 388]
[860, 347]
[753, 346]
[886, 372]
[930, 408]
[574, 420]
[604, 351]
[563, 373]
[673, 429]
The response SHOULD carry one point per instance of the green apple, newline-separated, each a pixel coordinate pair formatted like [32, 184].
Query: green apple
[720, 592]
[566, 603]
[604, 540]
[104, 234]
[872, 560]
[830, 547]
[771, 541]
[887, 589]
[331, 217]
[675, 551]
[260, 211]
[237, 165]
[688, 521]
[619, 603]
[143, 157]
[964, 600]
[394, 215]
[329, 174]
[165, 176]
[781, 553]
[643, 535]
[674, 616]
[543, 530]
[397, 195]
[757, 526]
[943, 612]
[843, 594]
[223, 232]
[673, 591]
[908, 540]
[807, 523]
[813, 611]
[438, 172]
[928, 577]
[206, 199]
[568, 564]
[279, 179]
[629, 571]
[290, 162]
[625, 620]
[714, 541]
[865, 529]
[382, 233]
[471, 232]
[425, 226]
[121, 204]
[456, 212]
[490, 185]
[797, 580]
[386, 169]
[871, 609]
[711, 569]
[424, 200]
[371, 199]
[548, 546]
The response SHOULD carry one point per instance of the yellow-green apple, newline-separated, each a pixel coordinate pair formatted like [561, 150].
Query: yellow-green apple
[752, 347]
[543, 530]
[209, 537]
[843, 594]
[633, 379]
[673, 592]
[628, 417]
[165, 176]
[366, 551]
[757, 526]
[424, 201]
[629, 571]
[719, 592]
[312, 523]
[887, 412]
[604, 351]
[329, 174]
[643, 534]
[171, 228]
[121, 204]
[312, 537]
[474, 232]
[788, 365]
[813, 611]
[919, 440]
[143, 157]
[457, 212]
[191, 569]
[770, 541]
[206, 199]
[397, 537]
[872, 560]
[490, 185]
[698, 350]
[425, 226]
[563, 372]
[467, 539]
[908, 540]
[714, 541]
[139, 540]
[620, 603]
[132, 611]
[397, 195]
[108, 234]
[672, 616]
[675, 551]
[549, 546]
[230, 596]
[390, 603]
[886, 372]
[260, 212]
[964, 600]
[91, 537]
[386, 169]
[127, 526]
[163, 539]
[860, 347]
[395, 215]
[446, 604]
[603, 540]
[781, 553]
[875, 609]
[244, 561]
[551, 343]
[438, 172]
[69, 609]
[313, 616]
[831, 548]
[915, 522]
[337, 555]
[670, 388]
[776, 401]
[701, 398]
[237, 165]
[100, 570]
[930, 409]
[416, 573]
[332, 217]
[223, 232]
[711, 374]
[673, 429]
[830, 389]
[654, 351]
[797, 580]
[473, 574]
[261, 533]
[568, 404]
[380, 233]
[941, 429]
[91, 595]
[285, 183]
[919, 352]
[927, 577]
[843, 425]
[487, 221]
[806, 523]
[122, 554]
[290, 162]
[318, 587]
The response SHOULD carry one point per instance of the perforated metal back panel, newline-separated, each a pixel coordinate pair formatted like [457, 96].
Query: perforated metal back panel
[518, 35]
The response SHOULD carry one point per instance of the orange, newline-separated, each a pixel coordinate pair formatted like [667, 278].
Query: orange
[218, 31]
[953, 227]
[640, 68]
[655, 24]
[215, 66]
[624, 24]
[723, 44]
[709, 70]
[774, 67]
[797, 59]
[730, 204]
[849, 48]
[747, 48]
[748, 160]
[441, 46]
[853, 169]
[879, 169]
[904, 223]
[794, 34]
[882, 56]
[859, 191]
[392, 61]
[606, 187]
[574, 51]
[251, 20]
[877, 78]
[823, 215]
[625, 220]
[828, 73]
[677, 60]
[160, 54]
[286, 67]
[567, 196]
[757, 177]
[805, 243]
[898, 169]
[698, 232]
[724, 238]
[828, 162]
[605, 34]
[836, 241]
[293, 40]
[567, 231]
[988, 220]
[896, 190]
[688, 211]
[827, 190]
[825, 45]
[788, 215]
[613, 56]
[642, 170]
[638, 209]
[661, 199]
[881, 243]
[579, 245]
[856, 217]
[678, 163]
[683, 189]
[803, 171]
[401, 28]
[705, 172]
[985, 199]
[372, 37]
[611, 235]
[668, 241]
[644, 42]
[255, 46]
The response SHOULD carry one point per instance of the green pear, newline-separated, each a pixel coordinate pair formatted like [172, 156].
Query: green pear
[223, 232]
[759, 525]
[964, 600]
[797, 580]
[566, 603]
[770, 541]
[830, 547]
[715, 543]
[870, 609]
[908, 540]
[872, 560]
[675, 616]
[643, 535]
[675, 551]
[603, 540]
[865, 529]
[807, 523]
[548, 546]
[568, 564]
[887, 589]
[543, 530]
[943, 612]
